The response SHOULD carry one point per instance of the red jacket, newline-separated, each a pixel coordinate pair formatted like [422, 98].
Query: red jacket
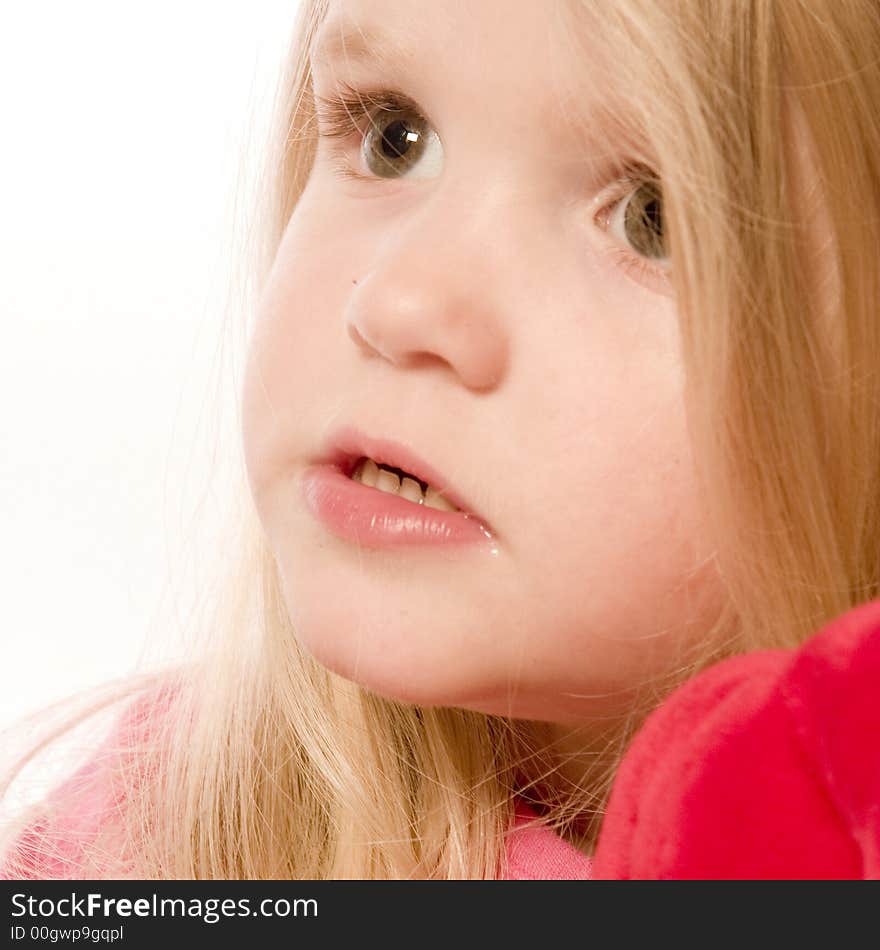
[766, 765]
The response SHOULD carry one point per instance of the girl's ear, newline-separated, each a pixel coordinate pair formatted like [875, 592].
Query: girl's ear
[764, 766]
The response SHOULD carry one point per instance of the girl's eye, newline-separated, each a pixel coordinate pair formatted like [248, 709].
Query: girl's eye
[395, 140]
[636, 220]
[399, 143]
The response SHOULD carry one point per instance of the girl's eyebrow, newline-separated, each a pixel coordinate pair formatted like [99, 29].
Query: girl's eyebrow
[342, 39]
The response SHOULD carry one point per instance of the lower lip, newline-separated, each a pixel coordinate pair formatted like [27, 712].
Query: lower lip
[377, 519]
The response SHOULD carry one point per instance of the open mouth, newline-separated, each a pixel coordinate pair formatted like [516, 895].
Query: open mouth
[396, 481]
[337, 489]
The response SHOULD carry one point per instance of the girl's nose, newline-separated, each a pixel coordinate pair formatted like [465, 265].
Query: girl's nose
[434, 296]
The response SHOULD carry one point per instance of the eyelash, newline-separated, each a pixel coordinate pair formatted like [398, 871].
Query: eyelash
[342, 115]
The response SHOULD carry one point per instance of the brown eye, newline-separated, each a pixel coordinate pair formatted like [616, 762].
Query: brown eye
[643, 221]
[399, 142]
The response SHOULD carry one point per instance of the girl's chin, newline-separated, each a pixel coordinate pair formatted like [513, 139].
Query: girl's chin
[393, 674]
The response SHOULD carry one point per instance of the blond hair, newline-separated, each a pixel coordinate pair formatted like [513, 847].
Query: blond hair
[253, 761]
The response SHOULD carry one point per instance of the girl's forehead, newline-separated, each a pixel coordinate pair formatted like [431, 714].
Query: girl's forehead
[524, 36]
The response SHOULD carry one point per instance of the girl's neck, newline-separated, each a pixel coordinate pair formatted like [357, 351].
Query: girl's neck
[566, 776]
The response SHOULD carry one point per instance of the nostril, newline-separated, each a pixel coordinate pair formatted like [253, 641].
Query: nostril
[359, 340]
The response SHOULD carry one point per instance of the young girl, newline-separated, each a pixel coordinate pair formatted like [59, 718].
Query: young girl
[562, 388]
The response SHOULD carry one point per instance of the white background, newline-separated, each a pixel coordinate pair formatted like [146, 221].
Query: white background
[125, 128]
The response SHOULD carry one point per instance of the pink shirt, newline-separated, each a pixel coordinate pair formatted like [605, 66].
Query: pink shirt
[539, 854]
[684, 806]
[534, 854]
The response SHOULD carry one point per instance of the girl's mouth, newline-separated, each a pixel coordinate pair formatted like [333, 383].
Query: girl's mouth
[360, 496]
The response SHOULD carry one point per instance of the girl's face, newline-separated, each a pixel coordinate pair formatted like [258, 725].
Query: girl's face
[465, 293]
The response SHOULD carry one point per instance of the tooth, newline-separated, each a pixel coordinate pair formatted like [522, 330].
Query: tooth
[433, 499]
[411, 490]
[369, 473]
[387, 481]
[358, 470]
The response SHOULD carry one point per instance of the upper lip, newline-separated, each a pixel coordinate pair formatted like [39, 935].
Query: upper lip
[347, 445]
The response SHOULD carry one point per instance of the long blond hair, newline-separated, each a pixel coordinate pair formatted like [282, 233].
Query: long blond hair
[252, 761]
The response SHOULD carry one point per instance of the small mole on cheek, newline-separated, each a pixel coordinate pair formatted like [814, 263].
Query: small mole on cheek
[354, 280]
